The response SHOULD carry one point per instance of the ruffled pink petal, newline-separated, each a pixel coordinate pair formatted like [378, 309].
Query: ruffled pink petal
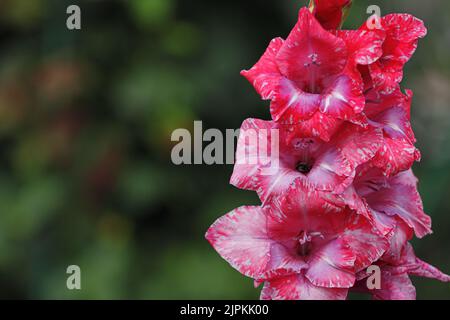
[304, 208]
[402, 34]
[265, 76]
[358, 145]
[396, 155]
[259, 164]
[406, 178]
[283, 261]
[403, 28]
[414, 266]
[241, 238]
[291, 104]
[395, 124]
[297, 287]
[331, 266]
[364, 240]
[395, 287]
[398, 240]
[343, 98]
[310, 53]
[364, 46]
[331, 171]
[320, 126]
[404, 202]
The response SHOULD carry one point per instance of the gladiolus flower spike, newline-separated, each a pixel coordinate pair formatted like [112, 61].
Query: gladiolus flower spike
[338, 195]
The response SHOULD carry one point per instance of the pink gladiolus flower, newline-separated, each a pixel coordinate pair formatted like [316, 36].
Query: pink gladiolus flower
[333, 167]
[310, 77]
[303, 236]
[327, 166]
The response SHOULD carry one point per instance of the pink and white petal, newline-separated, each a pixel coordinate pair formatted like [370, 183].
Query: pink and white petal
[426, 270]
[406, 178]
[276, 181]
[383, 223]
[402, 34]
[303, 208]
[319, 126]
[365, 241]
[358, 145]
[386, 75]
[241, 238]
[404, 202]
[258, 164]
[343, 99]
[332, 266]
[395, 287]
[331, 171]
[364, 46]
[291, 104]
[403, 27]
[264, 75]
[355, 202]
[297, 287]
[283, 262]
[414, 266]
[378, 102]
[395, 155]
[310, 53]
[401, 234]
[395, 124]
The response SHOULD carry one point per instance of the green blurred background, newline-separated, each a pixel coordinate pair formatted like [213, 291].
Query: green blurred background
[85, 124]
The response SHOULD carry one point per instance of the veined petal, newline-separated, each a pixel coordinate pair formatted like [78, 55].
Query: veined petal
[395, 287]
[364, 240]
[265, 76]
[310, 53]
[241, 238]
[396, 155]
[364, 46]
[297, 287]
[332, 266]
[343, 98]
[291, 104]
[404, 202]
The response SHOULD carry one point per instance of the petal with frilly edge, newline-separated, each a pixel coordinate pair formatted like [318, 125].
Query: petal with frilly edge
[402, 34]
[331, 266]
[343, 98]
[241, 238]
[364, 46]
[265, 76]
[297, 287]
[396, 155]
[395, 287]
[310, 53]
[404, 202]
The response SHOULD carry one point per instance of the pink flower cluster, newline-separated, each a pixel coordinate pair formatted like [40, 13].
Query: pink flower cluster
[342, 196]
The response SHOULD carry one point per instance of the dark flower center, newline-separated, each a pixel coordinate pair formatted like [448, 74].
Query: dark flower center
[303, 167]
